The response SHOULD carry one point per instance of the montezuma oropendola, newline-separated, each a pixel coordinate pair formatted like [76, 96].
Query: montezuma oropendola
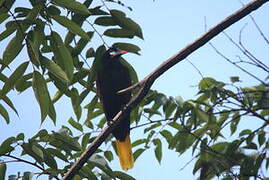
[113, 76]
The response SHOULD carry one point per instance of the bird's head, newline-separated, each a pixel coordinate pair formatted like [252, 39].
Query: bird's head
[115, 52]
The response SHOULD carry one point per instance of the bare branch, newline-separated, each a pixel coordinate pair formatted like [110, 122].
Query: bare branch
[147, 82]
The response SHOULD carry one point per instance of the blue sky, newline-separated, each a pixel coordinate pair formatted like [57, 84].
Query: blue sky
[167, 27]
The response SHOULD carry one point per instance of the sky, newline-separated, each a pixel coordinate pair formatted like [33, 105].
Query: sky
[168, 26]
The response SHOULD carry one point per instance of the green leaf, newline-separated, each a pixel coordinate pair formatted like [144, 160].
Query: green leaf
[203, 116]
[234, 79]
[137, 153]
[57, 153]
[62, 54]
[34, 151]
[81, 44]
[108, 155]
[10, 104]
[72, 143]
[261, 138]
[10, 83]
[75, 98]
[9, 30]
[6, 146]
[90, 53]
[206, 83]
[91, 107]
[52, 112]
[98, 11]
[152, 127]
[75, 124]
[73, 5]
[41, 94]
[3, 169]
[101, 123]
[127, 47]
[100, 163]
[20, 137]
[53, 10]
[32, 49]
[235, 120]
[167, 135]
[126, 23]
[7, 6]
[73, 27]
[123, 176]
[4, 113]
[119, 33]
[3, 17]
[49, 159]
[169, 107]
[152, 111]
[105, 21]
[245, 132]
[22, 83]
[158, 149]
[138, 142]
[85, 140]
[55, 69]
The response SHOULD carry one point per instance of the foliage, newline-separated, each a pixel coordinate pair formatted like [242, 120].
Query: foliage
[58, 61]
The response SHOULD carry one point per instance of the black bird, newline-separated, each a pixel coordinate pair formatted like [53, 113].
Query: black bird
[113, 76]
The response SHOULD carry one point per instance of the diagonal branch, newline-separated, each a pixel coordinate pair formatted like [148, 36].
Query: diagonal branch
[147, 82]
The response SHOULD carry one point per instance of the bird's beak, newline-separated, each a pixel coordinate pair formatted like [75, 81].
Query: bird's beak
[123, 52]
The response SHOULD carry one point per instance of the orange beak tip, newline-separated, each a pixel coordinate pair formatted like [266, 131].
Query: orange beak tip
[123, 52]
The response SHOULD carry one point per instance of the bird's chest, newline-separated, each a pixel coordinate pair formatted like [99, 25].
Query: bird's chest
[112, 79]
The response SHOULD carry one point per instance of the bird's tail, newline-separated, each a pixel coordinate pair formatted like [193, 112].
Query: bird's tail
[124, 149]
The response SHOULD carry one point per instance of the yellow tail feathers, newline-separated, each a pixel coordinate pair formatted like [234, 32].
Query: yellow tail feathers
[124, 149]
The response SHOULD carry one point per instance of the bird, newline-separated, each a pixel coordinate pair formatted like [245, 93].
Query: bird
[112, 76]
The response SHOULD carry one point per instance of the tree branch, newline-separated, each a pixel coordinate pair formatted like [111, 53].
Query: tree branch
[147, 82]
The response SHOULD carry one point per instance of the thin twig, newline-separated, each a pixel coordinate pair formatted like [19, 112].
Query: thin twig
[25, 161]
[239, 67]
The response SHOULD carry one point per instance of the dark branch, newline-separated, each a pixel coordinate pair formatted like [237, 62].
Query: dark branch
[147, 82]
